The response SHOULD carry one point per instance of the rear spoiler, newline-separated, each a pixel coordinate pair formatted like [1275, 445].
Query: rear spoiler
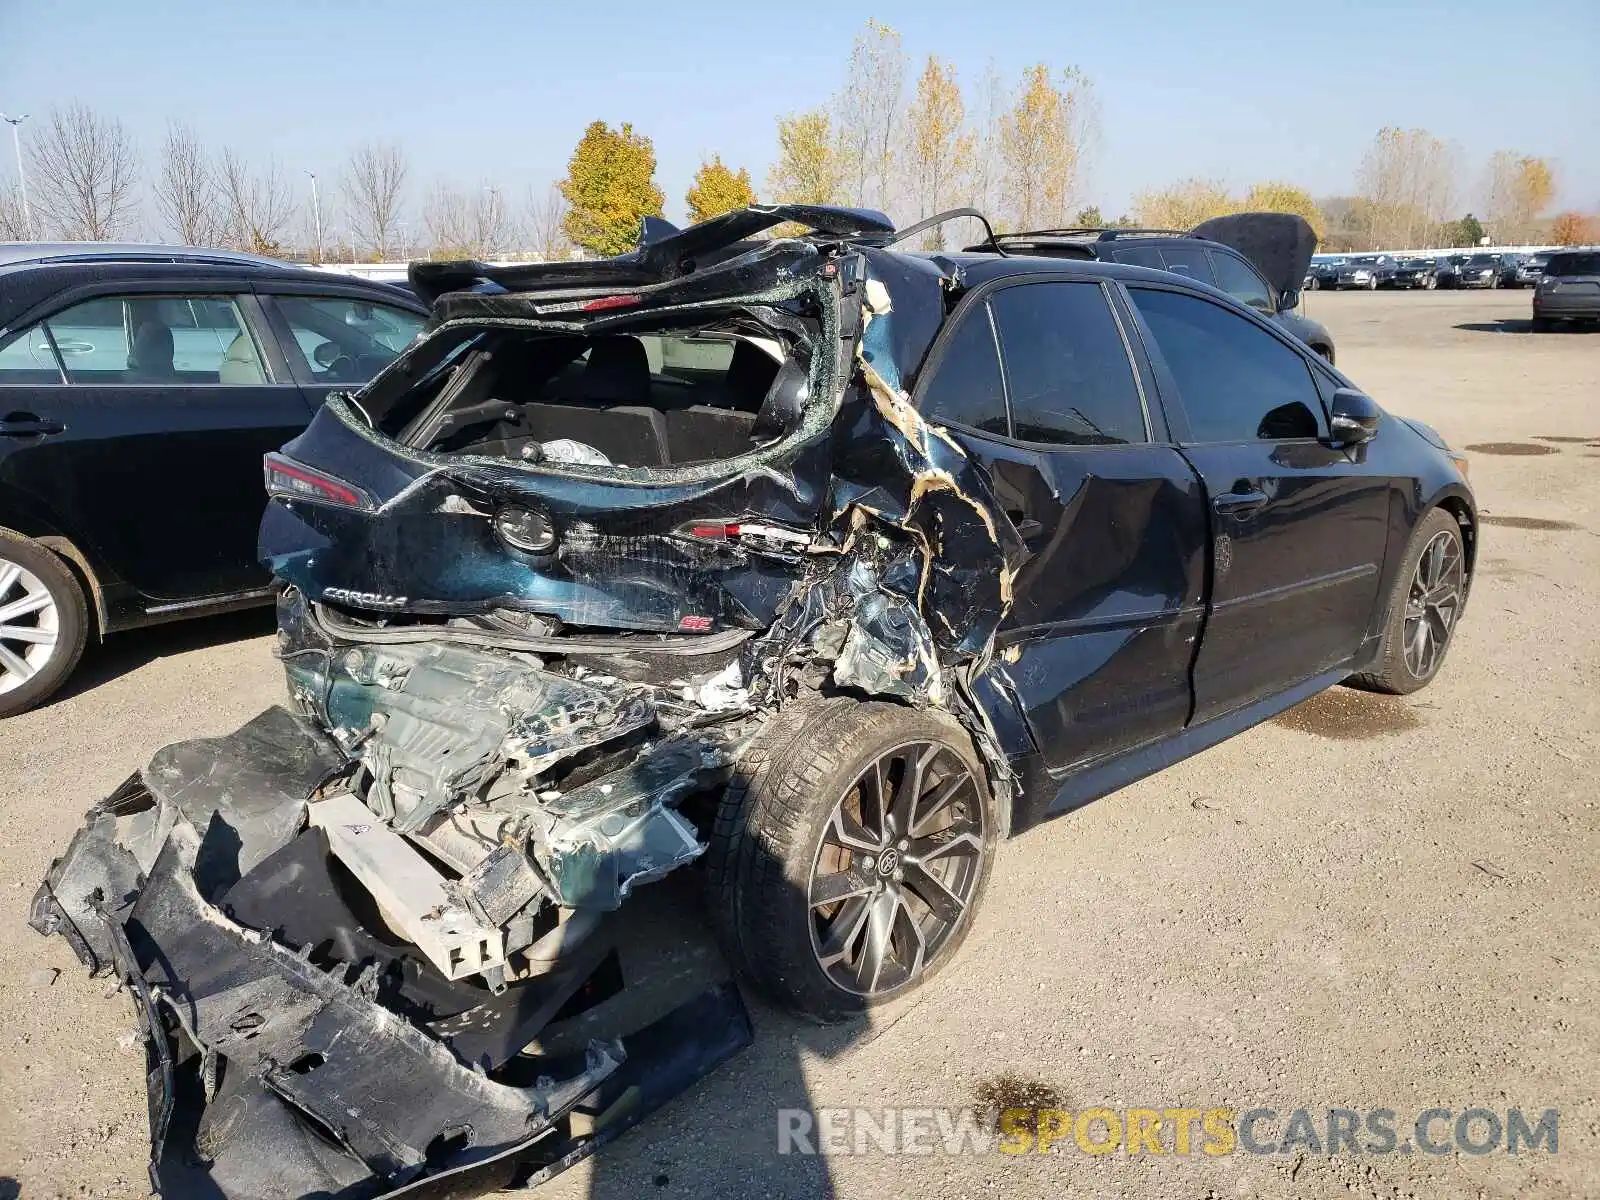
[665, 252]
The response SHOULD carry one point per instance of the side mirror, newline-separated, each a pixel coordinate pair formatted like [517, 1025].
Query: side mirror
[1289, 299]
[1353, 420]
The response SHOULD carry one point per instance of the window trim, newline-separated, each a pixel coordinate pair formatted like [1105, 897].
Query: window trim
[1167, 384]
[979, 296]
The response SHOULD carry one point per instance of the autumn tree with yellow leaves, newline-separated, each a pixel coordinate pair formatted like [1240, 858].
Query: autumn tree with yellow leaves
[717, 189]
[610, 188]
[1041, 146]
[811, 164]
[939, 153]
[1519, 188]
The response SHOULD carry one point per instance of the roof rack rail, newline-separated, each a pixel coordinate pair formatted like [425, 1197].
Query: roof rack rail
[1104, 233]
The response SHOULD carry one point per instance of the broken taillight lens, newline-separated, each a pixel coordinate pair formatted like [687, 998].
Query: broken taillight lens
[290, 480]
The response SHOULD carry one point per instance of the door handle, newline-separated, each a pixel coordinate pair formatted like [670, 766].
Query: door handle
[25, 424]
[1239, 504]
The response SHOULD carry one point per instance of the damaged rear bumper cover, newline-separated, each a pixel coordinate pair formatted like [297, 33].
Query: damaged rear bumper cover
[291, 1048]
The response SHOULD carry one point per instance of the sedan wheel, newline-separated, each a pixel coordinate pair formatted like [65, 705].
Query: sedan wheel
[43, 621]
[850, 852]
[1434, 603]
[897, 868]
[1423, 609]
[29, 623]
[1431, 283]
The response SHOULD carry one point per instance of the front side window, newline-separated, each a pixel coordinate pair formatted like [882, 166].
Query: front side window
[341, 340]
[1067, 370]
[173, 340]
[966, 388]
[1242, 283]
[1237, 381]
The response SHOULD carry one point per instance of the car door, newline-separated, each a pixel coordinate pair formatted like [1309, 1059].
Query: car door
[1036, 379]
[1298, 529]
[337, 340]
[150, 442]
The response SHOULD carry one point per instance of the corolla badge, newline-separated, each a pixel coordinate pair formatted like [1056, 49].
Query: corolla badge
[363, 599]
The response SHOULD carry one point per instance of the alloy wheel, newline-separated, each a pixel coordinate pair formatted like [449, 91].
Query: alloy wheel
[897, 868]
[1433, 603]
[29, 623]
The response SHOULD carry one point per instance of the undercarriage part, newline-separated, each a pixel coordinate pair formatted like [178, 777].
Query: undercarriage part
[410, 893]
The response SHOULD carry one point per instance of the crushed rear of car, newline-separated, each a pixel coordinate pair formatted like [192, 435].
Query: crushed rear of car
[546, 582]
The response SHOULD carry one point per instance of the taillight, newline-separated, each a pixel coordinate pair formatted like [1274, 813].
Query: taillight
[292, 480]
[774, 536]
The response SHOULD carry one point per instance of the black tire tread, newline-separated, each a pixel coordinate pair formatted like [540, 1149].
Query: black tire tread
[764, 818]
[1389, 674]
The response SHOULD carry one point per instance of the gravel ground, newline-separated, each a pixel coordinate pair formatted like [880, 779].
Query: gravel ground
[1367, 903]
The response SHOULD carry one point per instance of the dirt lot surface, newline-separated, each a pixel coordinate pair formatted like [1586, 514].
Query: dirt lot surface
[1367, 903]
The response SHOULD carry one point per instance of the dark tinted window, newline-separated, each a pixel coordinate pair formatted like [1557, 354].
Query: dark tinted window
[1067, 371]
[1236, 381]
[1573, 264]
[965, 387]
[1235, 277]
[1190, 261]
[1142, 256]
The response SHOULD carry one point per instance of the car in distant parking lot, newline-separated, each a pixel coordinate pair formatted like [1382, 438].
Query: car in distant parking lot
[1363, 271]
[1323, 272]
[1569, 289]
[139, 388]
[1531, 269]
[1485, 271]
[1412, 273]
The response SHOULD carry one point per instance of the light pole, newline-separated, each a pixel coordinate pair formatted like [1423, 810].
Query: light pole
[22, 179]
[316, 216]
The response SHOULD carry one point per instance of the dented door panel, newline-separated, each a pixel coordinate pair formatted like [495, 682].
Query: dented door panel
[1108, 607]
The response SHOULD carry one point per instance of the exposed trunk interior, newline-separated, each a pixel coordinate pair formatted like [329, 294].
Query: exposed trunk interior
[655, 399]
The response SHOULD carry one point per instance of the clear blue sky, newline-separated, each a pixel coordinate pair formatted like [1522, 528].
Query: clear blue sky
[501, 91]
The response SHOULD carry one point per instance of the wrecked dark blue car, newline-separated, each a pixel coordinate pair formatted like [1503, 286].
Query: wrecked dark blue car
[814, 563]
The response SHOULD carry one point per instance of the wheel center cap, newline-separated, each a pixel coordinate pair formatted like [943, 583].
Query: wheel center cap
[888, 862]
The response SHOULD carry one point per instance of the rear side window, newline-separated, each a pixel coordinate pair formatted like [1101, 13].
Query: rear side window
[1067, 371]
[1142, 256]
[1242, 283]
[1237, 381]
[1573, 264]
[1189, 260]
[965, 388]
[171, 340]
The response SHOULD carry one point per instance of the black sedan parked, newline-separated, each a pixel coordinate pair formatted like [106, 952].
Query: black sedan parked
[835, 562]
[1412, 273]
[139, 388]
[1485, 271]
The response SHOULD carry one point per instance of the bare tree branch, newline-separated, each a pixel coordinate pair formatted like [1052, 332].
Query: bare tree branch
[186, 191]
[373, 181]
[466, 224]
[83, 172]
[13, 220]
[546, 215]
[259, 206]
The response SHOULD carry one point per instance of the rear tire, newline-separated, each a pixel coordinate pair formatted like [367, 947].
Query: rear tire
[1417, 632]
[44, 623]
[799, 797]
